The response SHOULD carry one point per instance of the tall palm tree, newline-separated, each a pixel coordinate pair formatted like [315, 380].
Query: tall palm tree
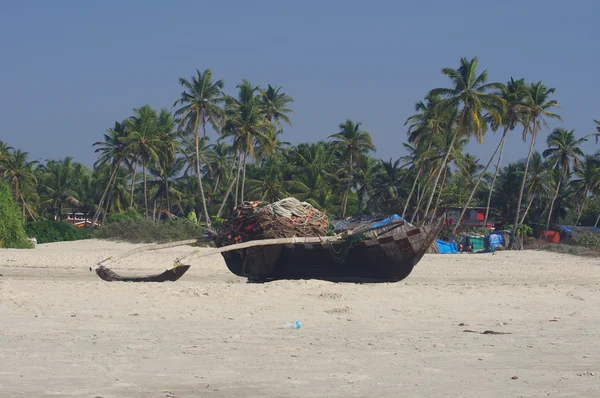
[19, 174]
[538, 182]
[168, 147]
[143, 141]
[4, 153]
[58, 180]
[536, 108]
[589, 178]
[511, 96]
[246, 124]
[469, 97]
[351, 141]
[200, 105]
[563, 154]
[112, 151]
[274, 104]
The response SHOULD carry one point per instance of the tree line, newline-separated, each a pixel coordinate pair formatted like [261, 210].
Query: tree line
[213, 151]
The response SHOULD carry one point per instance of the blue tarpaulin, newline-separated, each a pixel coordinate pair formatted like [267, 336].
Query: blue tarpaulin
[386, 221]
[494, 240]
[446, 247]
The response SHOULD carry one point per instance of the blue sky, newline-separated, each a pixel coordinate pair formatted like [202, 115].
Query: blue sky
[69, 69]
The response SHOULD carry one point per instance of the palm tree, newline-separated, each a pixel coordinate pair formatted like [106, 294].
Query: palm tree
[168, 146]
[58, 180]
[563, 151]
[538, 181]
[200, 105]
[351, 141]
[467, 99]
[143, 141]
[589, 174]
[112, 151]
[19, 174]
[247, 124]
[511, 96]
[4, 153]
[274, 105]
[535, 110]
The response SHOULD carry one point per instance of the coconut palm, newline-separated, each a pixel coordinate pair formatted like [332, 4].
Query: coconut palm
[4, 153]
[19, 174]
[112, 151]
[143, 142]
[351, 141]
[539, 181]
[536, 108]
[58, 182]
[589, 179]
[511, 96]
[274, 105]
[564, 155]
[247, 125]
[200, 105]
[468, 99]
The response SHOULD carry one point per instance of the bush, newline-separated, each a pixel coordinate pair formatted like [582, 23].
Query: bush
[130, 215]
[591, 241]
[147, 231]
[12, 234]
[47, 231]
[192, 216]
[570, 249]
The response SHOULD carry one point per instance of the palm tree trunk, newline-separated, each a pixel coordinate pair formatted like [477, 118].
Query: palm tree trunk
[438, 201]
[133, 181]
[167, 190]
[412, 190]
[145, 190]
[597, 221]
[462, 213]
[527, 209]
[552, 204]
[200, 177]
[244, 177]
[112, 186]
[237, 179]
[582, 205]
[518, 209]
[27, 208]
[439, 173]
[420, 201]
[345, 201]
[228, 190]
[211, 196]
[97, 213]
[489, 201]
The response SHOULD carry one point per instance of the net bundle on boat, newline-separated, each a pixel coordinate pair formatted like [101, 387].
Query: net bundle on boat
[286, 218]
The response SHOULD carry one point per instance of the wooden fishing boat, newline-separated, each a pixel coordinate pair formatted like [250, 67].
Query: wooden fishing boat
[380, 254]
[386, 257]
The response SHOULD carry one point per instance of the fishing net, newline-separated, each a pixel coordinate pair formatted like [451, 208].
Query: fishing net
[286, 218]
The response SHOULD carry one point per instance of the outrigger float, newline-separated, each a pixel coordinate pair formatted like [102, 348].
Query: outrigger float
[379, 252]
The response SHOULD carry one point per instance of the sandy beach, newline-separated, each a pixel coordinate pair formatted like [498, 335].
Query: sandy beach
[66, 333]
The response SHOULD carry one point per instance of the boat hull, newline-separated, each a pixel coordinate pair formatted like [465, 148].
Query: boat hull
[387, 258]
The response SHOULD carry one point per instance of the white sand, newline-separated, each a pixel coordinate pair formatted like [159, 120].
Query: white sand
[64, 332]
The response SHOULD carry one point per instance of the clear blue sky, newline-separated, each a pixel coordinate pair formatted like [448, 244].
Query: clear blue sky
[69, 69]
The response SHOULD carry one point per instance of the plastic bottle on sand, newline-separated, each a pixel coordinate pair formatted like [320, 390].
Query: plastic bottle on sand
[291, 325]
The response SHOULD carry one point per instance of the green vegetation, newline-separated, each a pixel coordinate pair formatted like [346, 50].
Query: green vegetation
[148, 231]
[571, 249]
[47, 231]
[221, 146]
[11, 224]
